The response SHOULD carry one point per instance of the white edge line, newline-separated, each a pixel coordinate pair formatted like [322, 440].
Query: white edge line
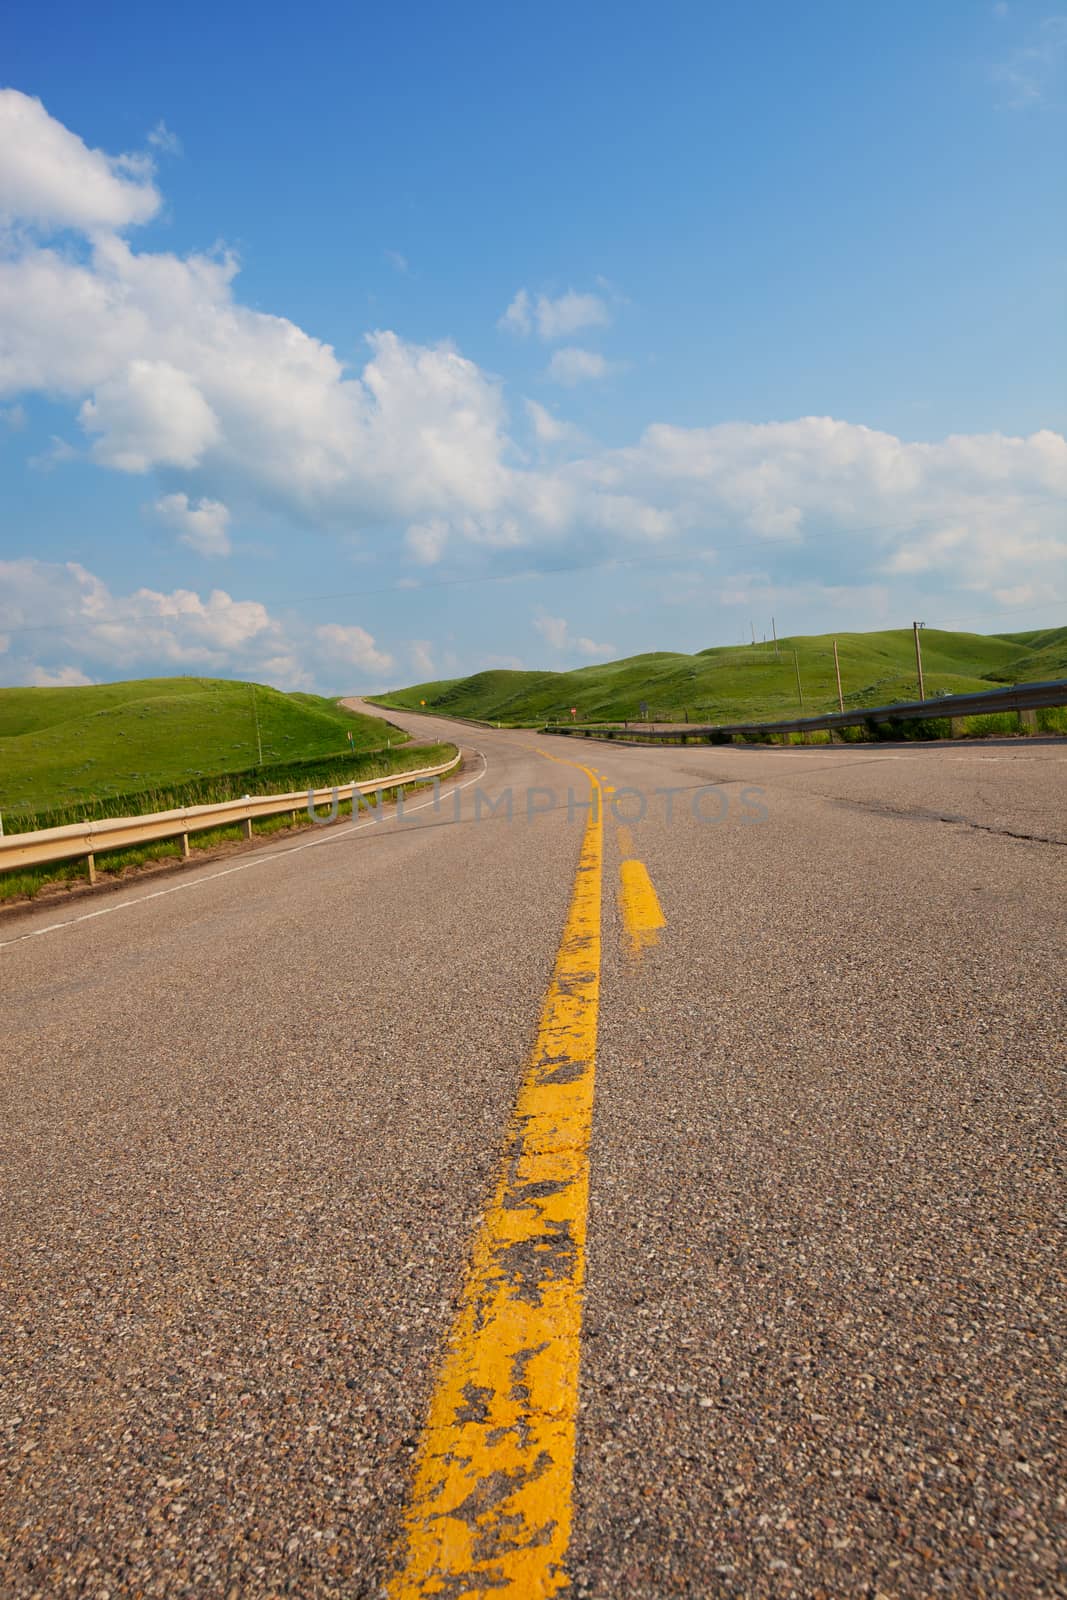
[258, 860]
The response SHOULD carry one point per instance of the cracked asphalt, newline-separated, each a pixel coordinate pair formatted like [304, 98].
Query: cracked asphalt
[249, 1129]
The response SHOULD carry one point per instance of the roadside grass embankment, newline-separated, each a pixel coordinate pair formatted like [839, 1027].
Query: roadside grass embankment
[990, 725]
[76, 754]
[334, 772]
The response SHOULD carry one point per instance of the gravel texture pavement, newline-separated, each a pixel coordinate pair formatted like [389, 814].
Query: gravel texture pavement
[249, 1128]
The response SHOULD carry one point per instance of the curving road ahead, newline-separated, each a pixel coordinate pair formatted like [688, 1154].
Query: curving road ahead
[655, 1200]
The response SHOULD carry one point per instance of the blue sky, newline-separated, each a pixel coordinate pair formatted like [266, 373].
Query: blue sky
[348, 346]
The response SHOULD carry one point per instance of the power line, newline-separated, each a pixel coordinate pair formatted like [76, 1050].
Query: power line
[1007, 611]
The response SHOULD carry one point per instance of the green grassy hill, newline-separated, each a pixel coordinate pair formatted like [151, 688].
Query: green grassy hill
[1046, 654]
[63, 746]
[738, 683]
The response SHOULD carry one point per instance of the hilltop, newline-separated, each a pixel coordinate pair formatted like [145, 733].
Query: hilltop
[734, 683]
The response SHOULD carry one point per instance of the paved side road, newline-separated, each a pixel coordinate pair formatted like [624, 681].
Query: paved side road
[250, 1130]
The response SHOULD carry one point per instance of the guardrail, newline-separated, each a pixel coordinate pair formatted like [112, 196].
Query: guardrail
[1021, 697]
[85, 840]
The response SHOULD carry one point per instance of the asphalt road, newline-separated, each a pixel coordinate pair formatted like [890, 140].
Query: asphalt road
[252, 1130]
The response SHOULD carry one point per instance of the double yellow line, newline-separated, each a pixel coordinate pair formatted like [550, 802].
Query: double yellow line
[491, 1505]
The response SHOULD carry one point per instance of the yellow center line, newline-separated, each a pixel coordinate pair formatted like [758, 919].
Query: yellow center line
[638, 900]
[490, 1508]
[640, 906]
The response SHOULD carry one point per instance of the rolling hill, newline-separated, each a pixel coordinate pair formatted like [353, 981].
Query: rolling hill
[735, 683]
[1045, 654]
[63, 746]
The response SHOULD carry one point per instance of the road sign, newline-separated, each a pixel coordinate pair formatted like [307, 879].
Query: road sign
[574, 711]
[644, 706]
[422, 702]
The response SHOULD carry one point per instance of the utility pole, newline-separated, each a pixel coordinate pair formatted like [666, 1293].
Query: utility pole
[800, 692]
[752, 625]
[919, 657]
[255, 719]
[837, 669]
[774, 635]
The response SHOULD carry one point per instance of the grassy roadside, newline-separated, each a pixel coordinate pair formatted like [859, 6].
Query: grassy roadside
[991, 725]
[112, 866]
[338, 767]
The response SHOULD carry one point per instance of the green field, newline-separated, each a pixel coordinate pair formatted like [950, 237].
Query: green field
[741, 683]
[79, 749]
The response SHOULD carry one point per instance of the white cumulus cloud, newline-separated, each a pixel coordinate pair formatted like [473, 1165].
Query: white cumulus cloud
[554, 319]
[547, 428]
[518, 318]
[170, 370]
[421, 651]
[571, 366]
[62, 624]
[353, 647]
[150, 414]
[167, 370]
[57, 678]
[84, 619]
[202, 524]
[556, 632]
[427, 540]
[50, 178]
